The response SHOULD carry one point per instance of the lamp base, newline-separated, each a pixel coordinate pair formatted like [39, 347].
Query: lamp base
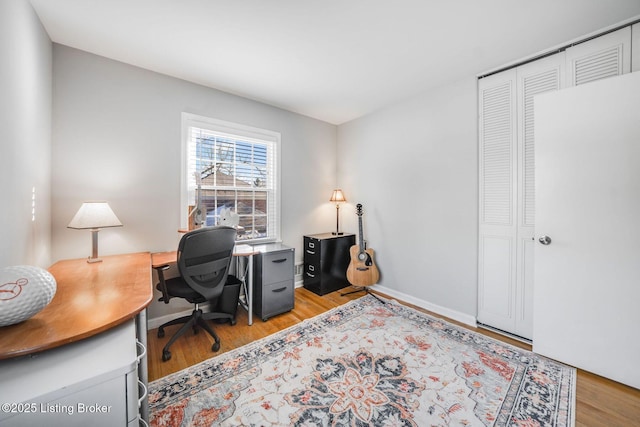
[94, 247]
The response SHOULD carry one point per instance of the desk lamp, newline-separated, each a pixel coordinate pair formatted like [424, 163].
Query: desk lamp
[337, 197]
[94, 216]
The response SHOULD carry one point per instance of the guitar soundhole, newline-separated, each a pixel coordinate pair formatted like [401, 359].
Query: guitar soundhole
[364, 257]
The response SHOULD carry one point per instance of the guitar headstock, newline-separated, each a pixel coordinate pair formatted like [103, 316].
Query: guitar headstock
[359, 209]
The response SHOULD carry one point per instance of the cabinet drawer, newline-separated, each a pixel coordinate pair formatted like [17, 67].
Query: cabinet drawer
[312, 270]
[312, 250]
[312, 274]
[277, 267]
[277, 298]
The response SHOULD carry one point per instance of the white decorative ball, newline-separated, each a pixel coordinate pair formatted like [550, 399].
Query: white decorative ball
[24, 291]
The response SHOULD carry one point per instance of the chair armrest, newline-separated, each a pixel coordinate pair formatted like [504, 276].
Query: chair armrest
[160, 269]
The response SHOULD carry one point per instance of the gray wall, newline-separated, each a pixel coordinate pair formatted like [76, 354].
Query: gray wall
[25, 136]
[116, 137]
[413, 166]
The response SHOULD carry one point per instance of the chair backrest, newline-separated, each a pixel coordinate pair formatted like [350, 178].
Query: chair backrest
[204, 256]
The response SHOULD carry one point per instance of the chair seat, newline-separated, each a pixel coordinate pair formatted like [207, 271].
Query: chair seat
[178, 288]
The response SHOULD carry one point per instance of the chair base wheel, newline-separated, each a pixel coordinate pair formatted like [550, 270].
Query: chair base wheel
[215, 346]
[166, 355]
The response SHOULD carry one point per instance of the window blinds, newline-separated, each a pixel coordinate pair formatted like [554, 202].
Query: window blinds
[232, 168]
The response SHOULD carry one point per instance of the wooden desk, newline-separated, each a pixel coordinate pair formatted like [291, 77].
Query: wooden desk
[90, 299]
[159, 259]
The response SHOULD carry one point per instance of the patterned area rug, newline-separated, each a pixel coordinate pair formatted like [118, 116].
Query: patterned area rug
[369, 364]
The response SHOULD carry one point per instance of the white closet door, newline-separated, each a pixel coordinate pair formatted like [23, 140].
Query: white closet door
[497, 176]
[507, 193]
[507, 171]
[544, 75]
[588, 203]
[605, 56]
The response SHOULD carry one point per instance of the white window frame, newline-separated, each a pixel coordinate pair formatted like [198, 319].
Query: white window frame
[240, 132]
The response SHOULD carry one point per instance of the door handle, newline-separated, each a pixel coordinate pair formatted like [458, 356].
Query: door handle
[545, 240]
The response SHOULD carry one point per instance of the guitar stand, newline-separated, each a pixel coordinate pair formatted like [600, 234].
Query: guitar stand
[366, 290]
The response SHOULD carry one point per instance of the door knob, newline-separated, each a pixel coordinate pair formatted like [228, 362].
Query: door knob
[545, 240]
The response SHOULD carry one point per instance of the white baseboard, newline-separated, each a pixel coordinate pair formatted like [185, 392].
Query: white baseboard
[442, 311]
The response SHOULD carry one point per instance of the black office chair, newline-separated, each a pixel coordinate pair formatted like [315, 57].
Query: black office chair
[203, 259]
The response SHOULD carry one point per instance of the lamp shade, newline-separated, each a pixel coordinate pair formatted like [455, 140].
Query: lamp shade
[337, 196]
[94, 215]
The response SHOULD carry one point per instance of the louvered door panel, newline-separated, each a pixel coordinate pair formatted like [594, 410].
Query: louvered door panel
[497, 240]
[600, 65]
[599, 58]
[497, 124]
[533, 79]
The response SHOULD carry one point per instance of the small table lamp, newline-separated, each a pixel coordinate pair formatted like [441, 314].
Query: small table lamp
[94, 216]
[337, 197]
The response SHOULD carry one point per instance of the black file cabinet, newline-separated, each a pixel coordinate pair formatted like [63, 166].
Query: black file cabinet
[326, 258]
[273, 285]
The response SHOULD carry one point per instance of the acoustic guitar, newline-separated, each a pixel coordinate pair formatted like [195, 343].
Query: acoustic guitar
[362, 270]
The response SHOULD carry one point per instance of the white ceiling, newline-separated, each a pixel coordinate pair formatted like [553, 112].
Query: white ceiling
[334, 60]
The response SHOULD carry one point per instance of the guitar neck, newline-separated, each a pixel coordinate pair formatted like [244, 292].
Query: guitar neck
[361, 235]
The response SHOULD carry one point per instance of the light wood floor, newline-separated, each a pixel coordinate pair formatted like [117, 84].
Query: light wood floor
[599, 402]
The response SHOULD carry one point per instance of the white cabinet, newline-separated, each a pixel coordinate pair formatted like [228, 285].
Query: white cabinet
[90, 382]
[507, 171]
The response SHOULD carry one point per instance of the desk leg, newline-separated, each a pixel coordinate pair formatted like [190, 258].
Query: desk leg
[247, 283]
[250, 290]
[143, 374]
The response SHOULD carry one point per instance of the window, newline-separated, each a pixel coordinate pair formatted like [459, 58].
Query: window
[230, 167]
